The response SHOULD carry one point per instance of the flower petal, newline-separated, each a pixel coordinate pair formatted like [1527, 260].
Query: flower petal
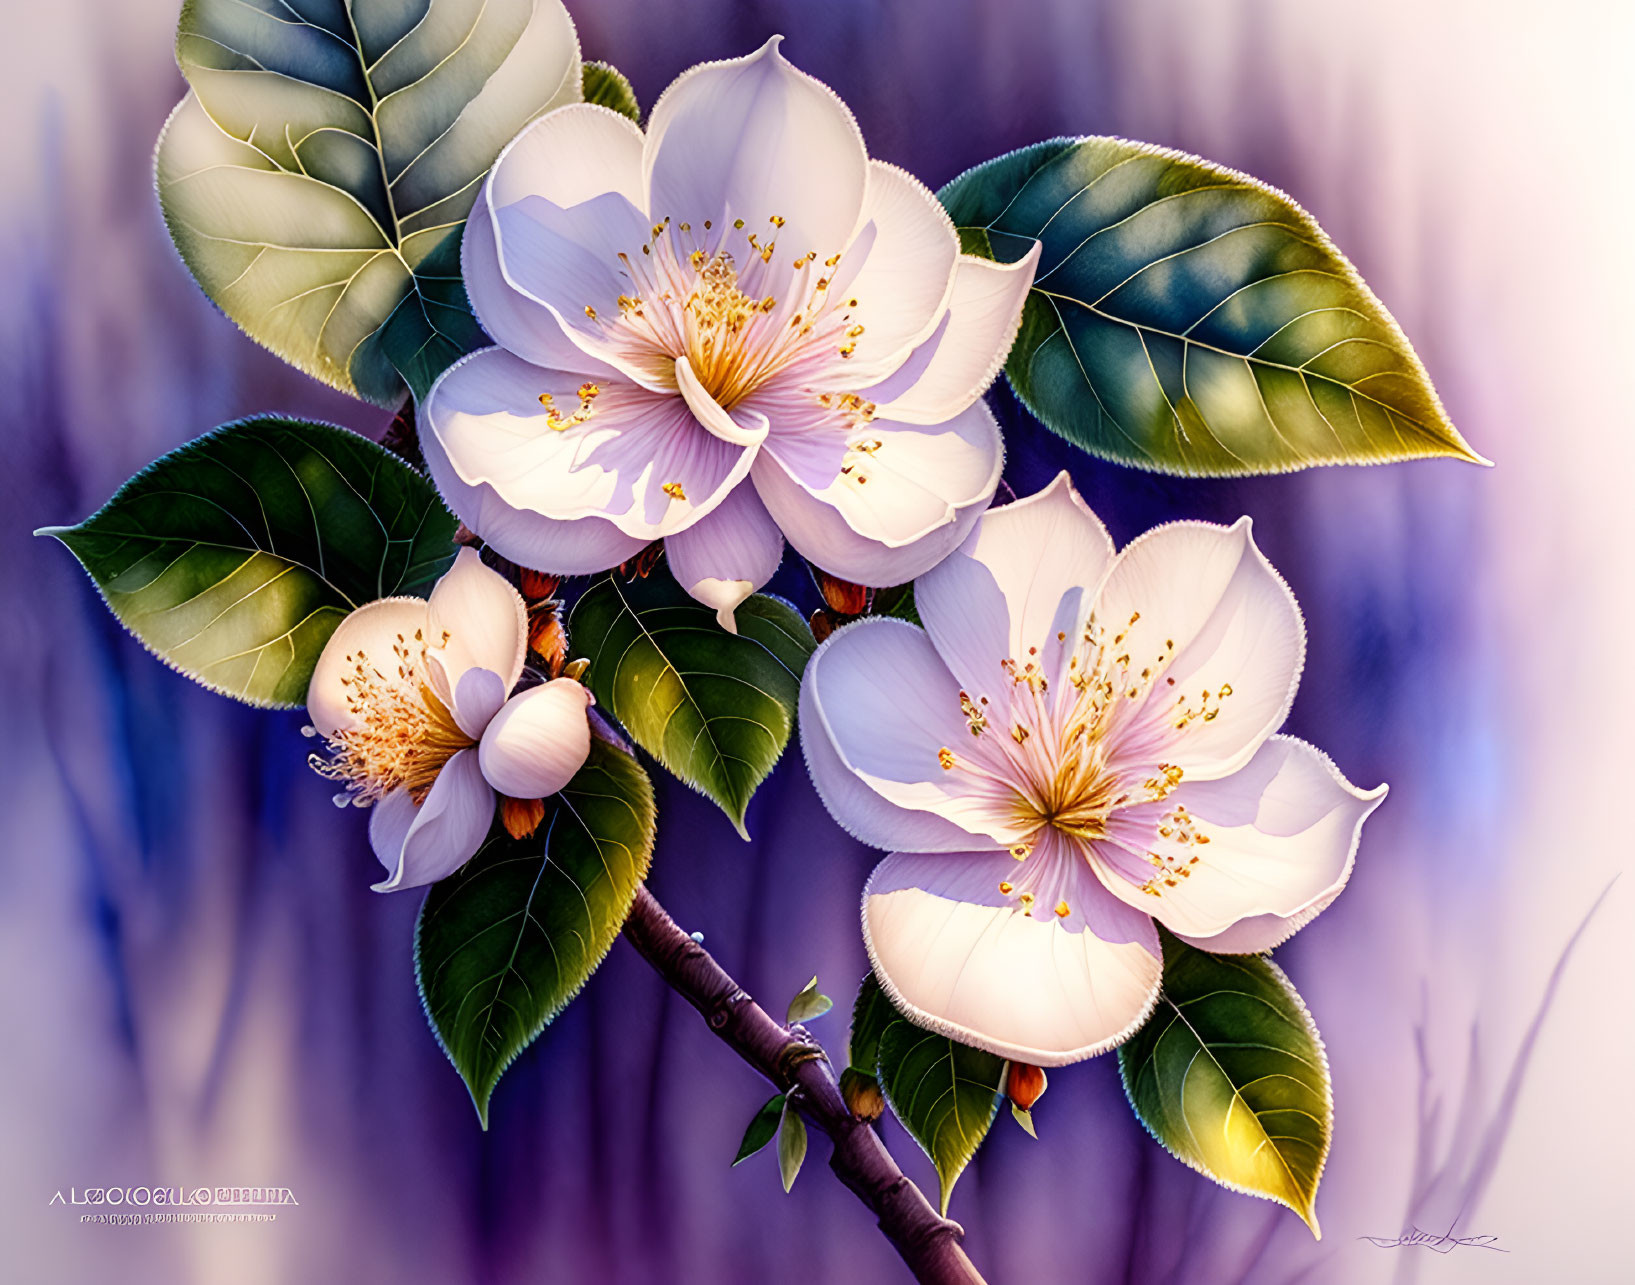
[715, 418]
[445, 833]
[373, 631]
[516, 322]
[1234, 626]
[890, 709]
[924, 489]
[728, 554]
[569, 262]
[481, 621]
[1025, 574]
[953, 367]
[575, 546]
[538, 740]
[857, 807]
[1281, 835]
[638, 459]
[753, 138]
[909, 250]
[961, 958]
[477, 698]
[569, 156]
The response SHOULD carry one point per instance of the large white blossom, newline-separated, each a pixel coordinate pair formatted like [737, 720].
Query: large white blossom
[410, 696]
[1078, 743]
[733, 329]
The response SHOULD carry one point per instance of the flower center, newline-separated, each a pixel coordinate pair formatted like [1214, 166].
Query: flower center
[739, 319]
[403, 734]
[1053, 752]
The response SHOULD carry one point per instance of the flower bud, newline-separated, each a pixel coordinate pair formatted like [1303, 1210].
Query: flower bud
[842, 597]
[862, 1094]
[536, 585]
[822, 624]
[546, 637]
[1025, 1084]
[641, 566]
[521, 817]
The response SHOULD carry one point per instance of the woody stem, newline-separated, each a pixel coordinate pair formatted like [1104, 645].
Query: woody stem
[928, 1243]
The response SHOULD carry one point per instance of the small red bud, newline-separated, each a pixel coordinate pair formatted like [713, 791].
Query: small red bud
[822, 623]
[521, 817]
[1025, 1084]
[641, 566]
[842, 597]
[548, 640]
[537, 585]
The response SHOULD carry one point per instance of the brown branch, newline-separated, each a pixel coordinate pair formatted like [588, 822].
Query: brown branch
[928, 1243]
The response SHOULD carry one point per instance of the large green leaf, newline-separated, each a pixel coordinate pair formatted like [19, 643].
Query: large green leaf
[715, 708]
[503, 944]
[326, 146]
[1190, 319]
[433, 325]
[945, 1093]
[234, 557]
[872, 1012]
[1229, 1074]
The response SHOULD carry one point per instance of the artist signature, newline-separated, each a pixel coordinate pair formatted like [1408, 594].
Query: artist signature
[1437, 1242]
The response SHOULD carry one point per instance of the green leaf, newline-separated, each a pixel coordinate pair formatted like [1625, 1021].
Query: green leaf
[810, 1003]
[1186, 318]
[433, 326]
[1229, 1075]
[1025, 1119]
[898, 602]
[791, 1146]
[715, 708]
[762, 1128]
[233, 558]
[871, 1014]
[325, 147]
[502, 945]
[945, 1093]
[606, 86]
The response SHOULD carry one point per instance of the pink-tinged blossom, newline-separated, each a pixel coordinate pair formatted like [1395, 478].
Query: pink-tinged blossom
[1079, 743]
[730, 330]
[410, 696]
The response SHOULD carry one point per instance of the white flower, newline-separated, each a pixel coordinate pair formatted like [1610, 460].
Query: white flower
[1077, 744]
[411, 694]
[733, 329]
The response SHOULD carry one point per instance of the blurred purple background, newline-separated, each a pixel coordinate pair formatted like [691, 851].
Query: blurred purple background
[198, 988]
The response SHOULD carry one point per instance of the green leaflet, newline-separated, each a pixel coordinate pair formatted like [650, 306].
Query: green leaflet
[503, 944]
[811, 1003]
[1230, 1076]
[234, 557]
[715, 708]
[945, 1093]
[326, 147]
[607, 87]
[791, 1146]
[1186, 318]
[762, 1128]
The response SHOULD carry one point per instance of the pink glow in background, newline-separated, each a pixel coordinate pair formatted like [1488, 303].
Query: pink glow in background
[197, 988]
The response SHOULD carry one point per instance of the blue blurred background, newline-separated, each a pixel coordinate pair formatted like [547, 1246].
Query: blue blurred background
[197, 987]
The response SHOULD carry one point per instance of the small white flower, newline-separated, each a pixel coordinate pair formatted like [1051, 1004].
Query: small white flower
[410, 695]
[733, 329]
[1077, 744]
